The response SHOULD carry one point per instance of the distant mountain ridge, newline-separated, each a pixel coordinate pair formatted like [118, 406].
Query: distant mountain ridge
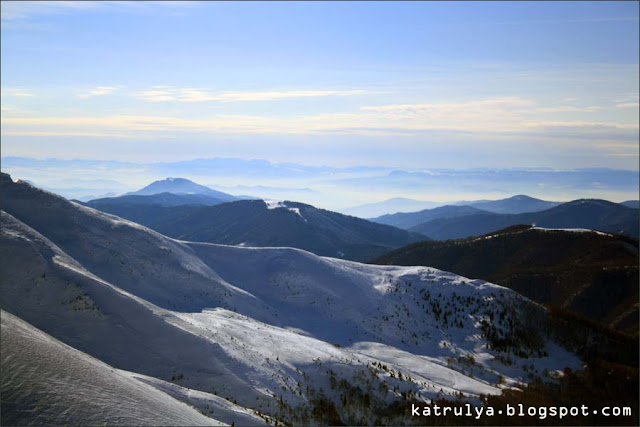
[389, 206]
[411, 219]
[584, 213]
[513, 205]
[160, 199]
[635, 204]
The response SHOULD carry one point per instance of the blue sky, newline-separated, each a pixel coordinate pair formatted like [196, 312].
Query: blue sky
[405, 85]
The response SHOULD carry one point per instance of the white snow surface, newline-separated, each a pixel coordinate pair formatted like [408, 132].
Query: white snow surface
[53, 383]
[209, 324]
[276, 204]
[574, 230]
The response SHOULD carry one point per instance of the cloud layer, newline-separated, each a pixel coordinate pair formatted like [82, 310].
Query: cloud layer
[167, 94]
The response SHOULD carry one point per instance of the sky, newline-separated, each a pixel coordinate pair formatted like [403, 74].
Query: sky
[402, 85]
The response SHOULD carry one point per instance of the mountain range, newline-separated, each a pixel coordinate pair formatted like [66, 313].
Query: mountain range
[590, 273]
[393, 205]
[585, 213]
[157, 199]
[512, 205]
[167, 192]
[412, 219]
[260, 223]
[383, 211]
[239, 334]
[191, 212]
[332, 188]
[453, 221]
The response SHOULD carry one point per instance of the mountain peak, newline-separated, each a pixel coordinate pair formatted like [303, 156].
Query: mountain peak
[519, 203]
[180, 186]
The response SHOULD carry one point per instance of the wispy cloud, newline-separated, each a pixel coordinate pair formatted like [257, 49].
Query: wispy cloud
[98, 91]
[583, 124]
[572, 20]
[69, 132]
[362, 124]
[491, 114]
[21, 10]
[502, 103]
[17, 93]
[629, 97]
[167, 93]
[500, 116]
[269, 96]
[581, 132]
[568, 109]
[13, 11]
[628, 105]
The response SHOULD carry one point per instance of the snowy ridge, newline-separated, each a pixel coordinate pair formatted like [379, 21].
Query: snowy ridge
[273, 330]
[573, 230]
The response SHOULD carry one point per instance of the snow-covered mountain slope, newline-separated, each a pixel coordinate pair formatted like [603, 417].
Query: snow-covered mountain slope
[278, 331]
[52, 291]
[48, 382]
[592, 273]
